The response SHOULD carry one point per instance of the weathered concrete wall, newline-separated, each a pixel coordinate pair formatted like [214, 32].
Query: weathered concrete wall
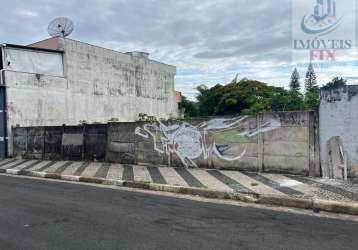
[38, 100]
[33, 61]
[271, 142]
[339, 118]
[97, 85]
[33, 100]
[121, 143]
[293, 146]
[118, 85]
[75, 143]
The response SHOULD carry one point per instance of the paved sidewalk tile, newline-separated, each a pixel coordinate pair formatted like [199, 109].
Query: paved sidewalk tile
[115, 172]
[141, 174]
[172, 177]
[235, 185]
[26, 165]
[210, 181]
[81, 169]
[227, 181]
[347, 186]
[62, 168]
[284, 181]
[254, 185]
[6, 161]
[39, 166]
[156, 176]
[46, 167]
[13, 164]
[273, 184]
[128, 173]
[91, 169]
[102, 171]
[326, 191]
[70, 170]
[54, 167]
[189, 178]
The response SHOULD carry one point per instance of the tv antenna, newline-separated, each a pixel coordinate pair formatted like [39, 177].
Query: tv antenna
[60, 27]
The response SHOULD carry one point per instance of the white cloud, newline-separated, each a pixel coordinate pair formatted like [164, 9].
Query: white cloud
[27, 13]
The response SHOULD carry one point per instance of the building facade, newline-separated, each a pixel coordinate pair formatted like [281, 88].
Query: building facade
[62, 81]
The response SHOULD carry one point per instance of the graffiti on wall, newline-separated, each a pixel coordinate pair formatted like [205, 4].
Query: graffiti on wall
[226, 138]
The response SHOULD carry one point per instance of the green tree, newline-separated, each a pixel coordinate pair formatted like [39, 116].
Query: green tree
[335, 83]
[246, 97]
[295, 84]
[295, 101]
[312, 98]
[312, 89]
[235, 97]
[311, 79]
[207, 99]
[190, 108]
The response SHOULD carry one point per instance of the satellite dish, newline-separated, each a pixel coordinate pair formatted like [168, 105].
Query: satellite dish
[60, 27]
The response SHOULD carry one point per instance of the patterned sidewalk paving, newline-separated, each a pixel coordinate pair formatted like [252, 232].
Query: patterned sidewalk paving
[211, 179]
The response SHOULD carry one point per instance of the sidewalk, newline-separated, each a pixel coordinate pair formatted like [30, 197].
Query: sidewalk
[271, 189]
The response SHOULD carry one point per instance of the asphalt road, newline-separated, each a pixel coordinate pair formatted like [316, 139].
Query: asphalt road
[38, 214]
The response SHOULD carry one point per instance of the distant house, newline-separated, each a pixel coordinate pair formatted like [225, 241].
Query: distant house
[62, 81]
[178, 96]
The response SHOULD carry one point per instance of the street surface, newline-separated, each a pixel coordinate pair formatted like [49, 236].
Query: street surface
[39, 214]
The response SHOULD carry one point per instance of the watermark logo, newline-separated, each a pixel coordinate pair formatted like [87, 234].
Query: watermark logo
[323, 30]
[323, 20]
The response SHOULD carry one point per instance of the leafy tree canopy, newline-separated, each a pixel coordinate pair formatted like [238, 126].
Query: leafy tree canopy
[251, 97]
[242, 97]
[335, 83]
[190, 108]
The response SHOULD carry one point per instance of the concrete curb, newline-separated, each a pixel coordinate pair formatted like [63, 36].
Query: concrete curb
[280, 200]
[336, 207]
[275, 200]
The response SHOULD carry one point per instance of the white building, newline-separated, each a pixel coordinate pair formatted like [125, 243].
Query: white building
[62, 81]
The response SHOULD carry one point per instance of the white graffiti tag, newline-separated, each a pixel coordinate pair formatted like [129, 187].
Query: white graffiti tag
[213, 137]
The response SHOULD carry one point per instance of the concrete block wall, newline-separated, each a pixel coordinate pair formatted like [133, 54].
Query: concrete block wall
[287, 148]
[271, 142]
[339, 118]
[285, 142]
[69, 143]
[121, 143]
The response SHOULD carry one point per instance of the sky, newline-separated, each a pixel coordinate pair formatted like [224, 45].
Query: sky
[209, 41]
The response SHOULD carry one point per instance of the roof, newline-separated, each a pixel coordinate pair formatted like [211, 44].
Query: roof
[30, 48]
[49, 43]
